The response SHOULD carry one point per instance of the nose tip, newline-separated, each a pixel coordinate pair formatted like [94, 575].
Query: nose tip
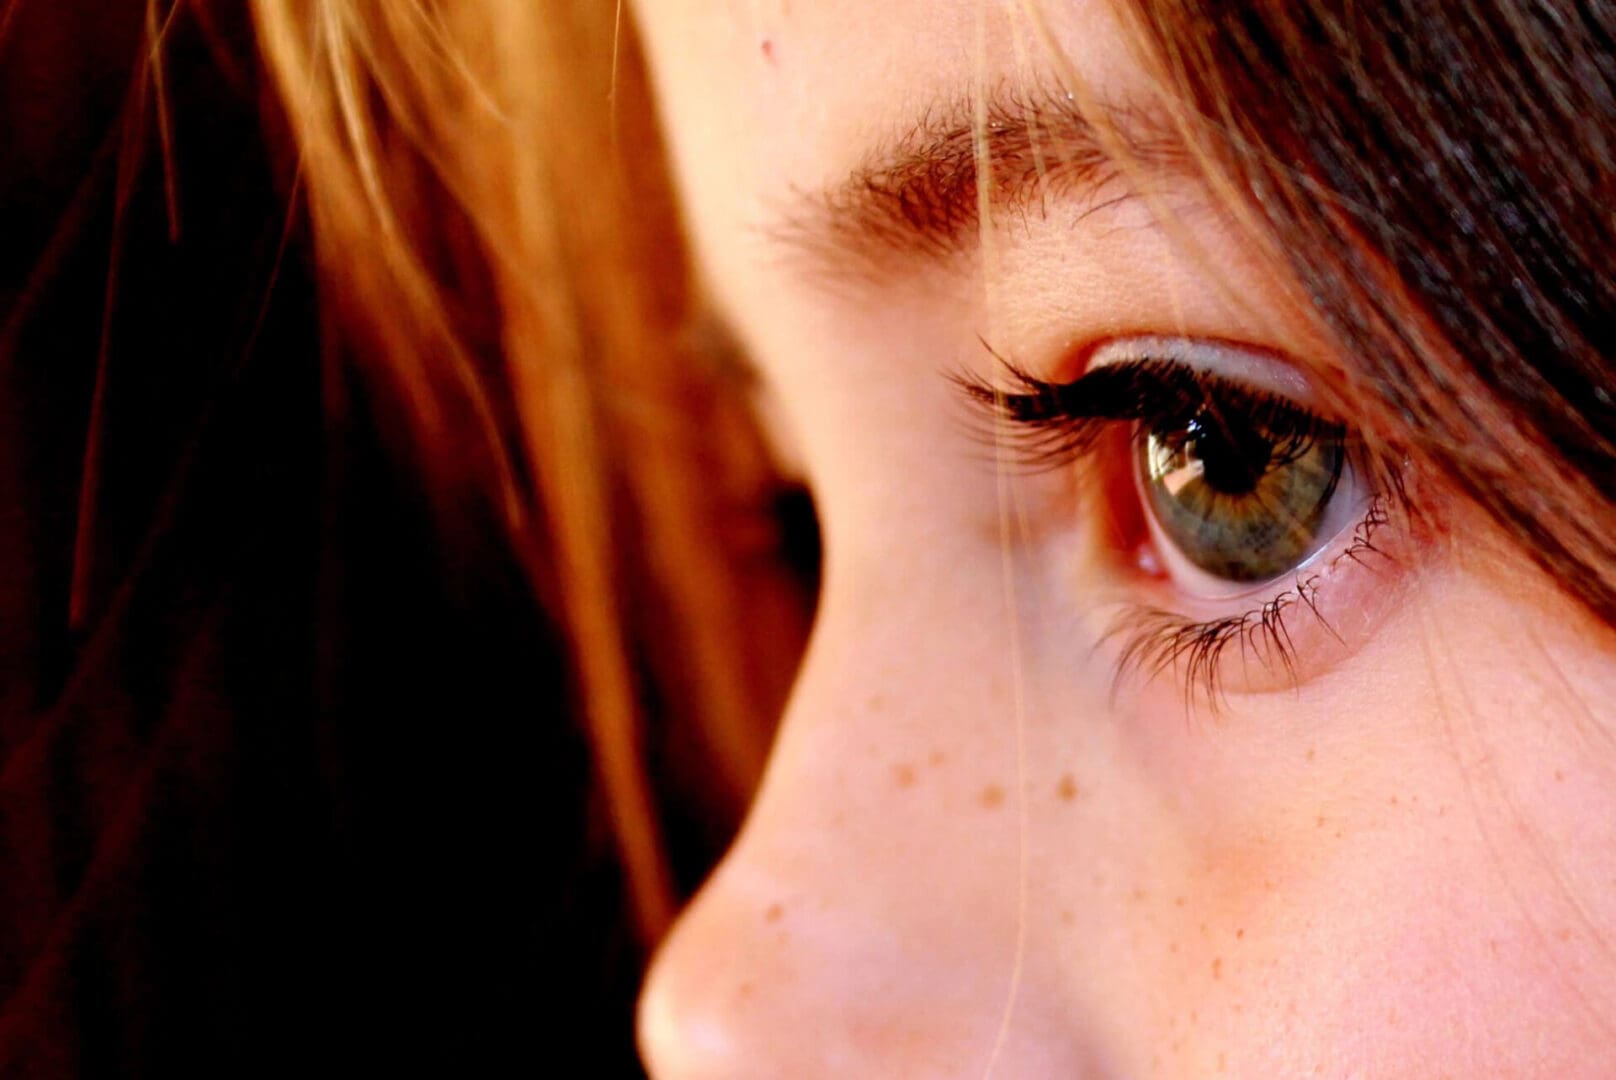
[755, 984]
[725, 997]
[686, 1014]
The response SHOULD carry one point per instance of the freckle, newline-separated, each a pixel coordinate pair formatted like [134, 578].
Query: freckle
[1067, 788]
[774, 913]
[1269, 885]
[1223, 1062]
[1558, 775]
[1319, 824]
[903, 775]
[875, 703]
[1098, 881]
[1240, 933]
[1195, 1016]
[992, 797]
[1492, 946]
[768, 50]
[1172, 947]
[1338, 834]
[744, 990]
[1217, 968]
[1066, 917]
[1203, 930]
[1178, 901]
[937, 758]
[1564, 935]
[1311, 753]
[1137, 895]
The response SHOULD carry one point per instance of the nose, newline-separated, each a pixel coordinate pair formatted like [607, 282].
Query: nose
[861, 929]
[751, 985]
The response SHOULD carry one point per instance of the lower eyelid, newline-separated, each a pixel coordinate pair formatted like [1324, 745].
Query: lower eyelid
[1292, 631]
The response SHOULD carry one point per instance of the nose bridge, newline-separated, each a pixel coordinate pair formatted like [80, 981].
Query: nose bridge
[871, 920]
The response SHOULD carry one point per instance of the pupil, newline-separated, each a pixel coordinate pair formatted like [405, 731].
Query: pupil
[1230, 464]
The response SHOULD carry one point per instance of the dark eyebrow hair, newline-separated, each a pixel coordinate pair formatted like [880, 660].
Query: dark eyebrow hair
[915, 197]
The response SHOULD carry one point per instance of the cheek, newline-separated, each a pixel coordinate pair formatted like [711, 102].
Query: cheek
[1389, 941]
[1440, 913]
[1394, 875]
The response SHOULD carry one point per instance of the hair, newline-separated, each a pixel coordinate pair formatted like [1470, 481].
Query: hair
[517, 287]
[1435, 175]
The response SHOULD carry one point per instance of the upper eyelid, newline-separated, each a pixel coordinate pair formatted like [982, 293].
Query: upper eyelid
[1249, 366]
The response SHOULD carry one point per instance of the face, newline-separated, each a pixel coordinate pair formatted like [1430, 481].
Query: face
[1144, 731]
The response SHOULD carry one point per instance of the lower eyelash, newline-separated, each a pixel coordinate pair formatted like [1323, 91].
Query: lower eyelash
[1156, 641]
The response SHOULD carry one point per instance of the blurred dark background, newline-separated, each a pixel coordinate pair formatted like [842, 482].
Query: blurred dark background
[289, 780]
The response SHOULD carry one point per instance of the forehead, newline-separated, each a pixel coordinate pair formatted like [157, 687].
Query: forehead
[764, 99]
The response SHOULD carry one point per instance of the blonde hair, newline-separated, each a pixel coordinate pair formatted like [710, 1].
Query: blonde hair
[518, 285]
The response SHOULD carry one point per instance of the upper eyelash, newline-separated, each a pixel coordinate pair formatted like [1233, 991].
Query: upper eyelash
[1055, 424]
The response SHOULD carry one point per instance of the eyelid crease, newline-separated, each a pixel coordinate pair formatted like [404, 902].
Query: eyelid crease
[1250, 366]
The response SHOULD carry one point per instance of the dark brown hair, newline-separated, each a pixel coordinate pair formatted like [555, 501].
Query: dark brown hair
[1439, 178]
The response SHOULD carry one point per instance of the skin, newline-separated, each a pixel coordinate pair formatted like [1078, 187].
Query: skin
[970, 854]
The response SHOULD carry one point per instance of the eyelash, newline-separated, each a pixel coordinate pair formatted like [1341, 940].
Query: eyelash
[1058, 425]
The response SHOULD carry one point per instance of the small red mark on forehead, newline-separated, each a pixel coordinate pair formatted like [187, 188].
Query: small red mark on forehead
[768, 50]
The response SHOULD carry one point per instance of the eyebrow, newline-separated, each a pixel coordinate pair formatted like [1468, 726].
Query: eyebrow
[915, 197]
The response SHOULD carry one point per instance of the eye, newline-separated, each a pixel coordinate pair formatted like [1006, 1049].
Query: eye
[1242, 489]
[1252, 523]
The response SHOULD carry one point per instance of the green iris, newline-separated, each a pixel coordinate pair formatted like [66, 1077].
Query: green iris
[1243, 493]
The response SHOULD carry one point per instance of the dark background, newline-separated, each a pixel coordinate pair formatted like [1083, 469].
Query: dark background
[289, 780]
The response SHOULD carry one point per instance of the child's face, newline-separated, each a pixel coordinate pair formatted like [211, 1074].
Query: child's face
[977, 844]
